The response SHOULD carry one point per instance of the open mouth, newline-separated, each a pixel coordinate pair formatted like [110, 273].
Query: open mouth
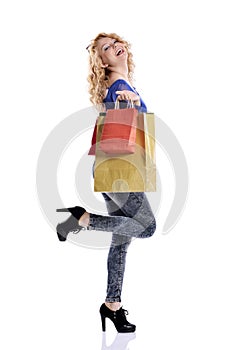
[119, 52]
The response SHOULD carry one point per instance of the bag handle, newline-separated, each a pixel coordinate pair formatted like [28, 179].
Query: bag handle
[130, 103]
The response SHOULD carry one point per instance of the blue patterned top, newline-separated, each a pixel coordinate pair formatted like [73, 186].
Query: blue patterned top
[111, 97]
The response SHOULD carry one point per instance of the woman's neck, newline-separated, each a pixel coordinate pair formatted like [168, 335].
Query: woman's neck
[118, 74]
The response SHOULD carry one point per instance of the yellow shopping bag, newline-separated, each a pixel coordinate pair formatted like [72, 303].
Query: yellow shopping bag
[128, 172]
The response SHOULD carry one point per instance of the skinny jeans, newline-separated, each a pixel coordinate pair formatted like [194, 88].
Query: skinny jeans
[130, 215]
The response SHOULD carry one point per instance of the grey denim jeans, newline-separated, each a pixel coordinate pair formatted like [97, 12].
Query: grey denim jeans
[130, 215]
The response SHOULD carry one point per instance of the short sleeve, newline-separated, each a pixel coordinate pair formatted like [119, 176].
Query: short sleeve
[119, 85]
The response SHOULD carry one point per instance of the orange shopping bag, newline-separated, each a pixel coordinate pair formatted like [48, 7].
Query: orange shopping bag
[119, 131]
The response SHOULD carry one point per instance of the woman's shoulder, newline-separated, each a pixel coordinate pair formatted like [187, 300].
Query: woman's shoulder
[119, 84]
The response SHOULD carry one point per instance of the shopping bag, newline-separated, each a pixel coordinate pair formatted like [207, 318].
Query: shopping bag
[118, 134]
[134, 172]
[92, 150]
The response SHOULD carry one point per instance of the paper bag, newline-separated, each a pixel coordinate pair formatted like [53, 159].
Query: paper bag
[119, 131]
[128, 172]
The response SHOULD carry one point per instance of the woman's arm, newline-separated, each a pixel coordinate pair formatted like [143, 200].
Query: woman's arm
[127, 95]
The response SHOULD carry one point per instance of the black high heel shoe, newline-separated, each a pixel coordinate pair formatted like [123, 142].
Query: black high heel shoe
[118, 318]
[71, 224]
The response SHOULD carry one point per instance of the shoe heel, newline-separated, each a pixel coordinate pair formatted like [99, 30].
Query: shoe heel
[103, 318]
[76, 211]
[62, 210]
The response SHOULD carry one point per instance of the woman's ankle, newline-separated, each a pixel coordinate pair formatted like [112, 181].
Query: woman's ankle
[84, 220]
[114, 306]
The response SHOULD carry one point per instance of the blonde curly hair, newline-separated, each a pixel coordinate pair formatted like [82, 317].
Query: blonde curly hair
[98, 77]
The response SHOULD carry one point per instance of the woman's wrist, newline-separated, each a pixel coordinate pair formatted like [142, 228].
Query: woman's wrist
[137, 102]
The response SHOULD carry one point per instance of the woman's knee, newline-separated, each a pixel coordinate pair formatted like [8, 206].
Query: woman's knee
[150, 230]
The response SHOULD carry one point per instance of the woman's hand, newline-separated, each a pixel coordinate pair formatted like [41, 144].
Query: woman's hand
[127, 95]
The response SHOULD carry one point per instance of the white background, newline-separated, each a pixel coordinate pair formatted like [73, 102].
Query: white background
[174, 284]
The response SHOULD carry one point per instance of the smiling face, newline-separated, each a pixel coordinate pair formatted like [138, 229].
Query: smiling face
[111, 51]
[110, 58]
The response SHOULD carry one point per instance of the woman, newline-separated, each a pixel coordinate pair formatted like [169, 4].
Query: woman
[130, 215]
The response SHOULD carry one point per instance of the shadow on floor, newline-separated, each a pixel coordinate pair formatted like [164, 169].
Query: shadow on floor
[119, 343]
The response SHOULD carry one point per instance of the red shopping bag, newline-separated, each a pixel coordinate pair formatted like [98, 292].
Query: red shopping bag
[119, 131]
